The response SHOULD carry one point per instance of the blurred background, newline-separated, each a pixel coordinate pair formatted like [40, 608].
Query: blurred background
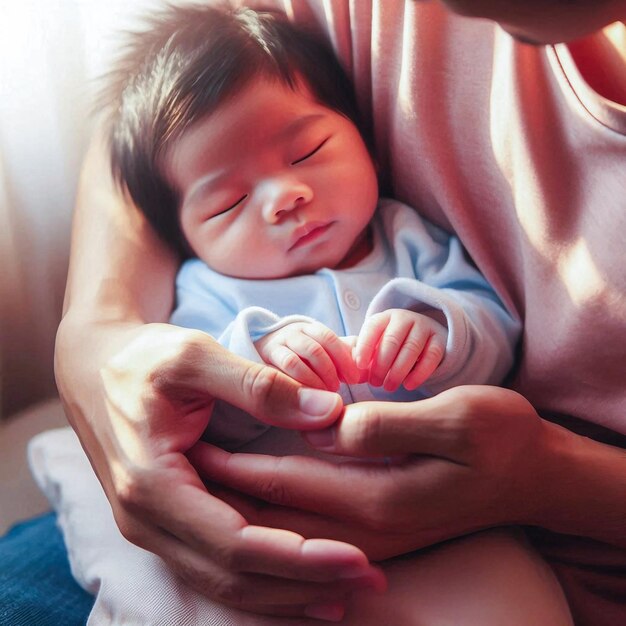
[52, 53]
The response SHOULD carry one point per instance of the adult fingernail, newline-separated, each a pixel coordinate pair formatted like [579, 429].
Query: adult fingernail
[373, 580]
[321, 438]
[326, 612]
[317, 402]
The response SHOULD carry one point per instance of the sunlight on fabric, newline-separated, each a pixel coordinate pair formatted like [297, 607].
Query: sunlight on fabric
[580, 274]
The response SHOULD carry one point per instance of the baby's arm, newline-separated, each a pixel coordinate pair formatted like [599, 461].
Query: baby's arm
[435, 278]
[301, 347]
[400, 347]
[310, 353]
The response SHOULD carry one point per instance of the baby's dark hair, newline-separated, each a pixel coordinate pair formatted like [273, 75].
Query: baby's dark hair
[187, 63]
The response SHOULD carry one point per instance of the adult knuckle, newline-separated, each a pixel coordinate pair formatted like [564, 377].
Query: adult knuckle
[182, 355]
[131, 487]
[228, 589]
[375, 516]
[475, 426]
[273, 492]
[259, 383]
[368, 428]
[272, 489]
[130, 530]
[377, 511]
[226, 556]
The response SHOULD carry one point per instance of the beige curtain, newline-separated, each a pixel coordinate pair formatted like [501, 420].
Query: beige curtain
[51, 52]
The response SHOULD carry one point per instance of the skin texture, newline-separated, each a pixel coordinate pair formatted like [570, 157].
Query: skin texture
[541, 22]
[253, 193]
[127, 404]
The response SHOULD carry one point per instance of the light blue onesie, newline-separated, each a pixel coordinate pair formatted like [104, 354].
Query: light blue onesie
[413, 265]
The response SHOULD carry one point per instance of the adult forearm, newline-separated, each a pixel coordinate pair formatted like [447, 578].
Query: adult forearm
[119, 269]
[121, 276]
[581, 487]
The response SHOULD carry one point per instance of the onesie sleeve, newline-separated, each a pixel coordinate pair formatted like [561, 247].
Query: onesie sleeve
[216, 305]
[482, 334]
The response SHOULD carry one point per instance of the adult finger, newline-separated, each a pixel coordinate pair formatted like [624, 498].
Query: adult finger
[452, 425]
[350, 521]
[204, 367]
[259, 593]
[423, 427]
[304, 486]
[229, 540]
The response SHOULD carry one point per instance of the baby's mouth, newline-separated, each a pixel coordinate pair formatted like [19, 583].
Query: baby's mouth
[306, 234]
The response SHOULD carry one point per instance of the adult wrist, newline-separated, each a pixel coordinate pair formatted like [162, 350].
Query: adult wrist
[579, 486]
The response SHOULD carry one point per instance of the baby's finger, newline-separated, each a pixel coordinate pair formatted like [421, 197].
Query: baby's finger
[432, 355]
[406, 359]
[316, 359]
[367, 341]
[289, 361]
[336, 350]
[389, 347]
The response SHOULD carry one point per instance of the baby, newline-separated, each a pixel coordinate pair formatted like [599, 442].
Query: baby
[238, 136]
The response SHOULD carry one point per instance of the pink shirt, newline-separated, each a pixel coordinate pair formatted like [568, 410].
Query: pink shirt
[509, 147]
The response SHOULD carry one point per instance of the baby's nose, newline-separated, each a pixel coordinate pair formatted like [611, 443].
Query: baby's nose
[283, 196]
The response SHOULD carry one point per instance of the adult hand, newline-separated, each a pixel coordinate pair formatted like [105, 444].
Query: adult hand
[475, 460]
[139, 401]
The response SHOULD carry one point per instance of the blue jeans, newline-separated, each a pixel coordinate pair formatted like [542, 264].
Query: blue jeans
[36, 586]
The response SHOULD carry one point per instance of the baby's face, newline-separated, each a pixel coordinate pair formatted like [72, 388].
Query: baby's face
[273, 184]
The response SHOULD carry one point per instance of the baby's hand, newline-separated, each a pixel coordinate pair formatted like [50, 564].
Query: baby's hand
[310, 353]
[400, 347]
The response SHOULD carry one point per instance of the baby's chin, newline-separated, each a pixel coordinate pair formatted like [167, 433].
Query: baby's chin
[308, 263]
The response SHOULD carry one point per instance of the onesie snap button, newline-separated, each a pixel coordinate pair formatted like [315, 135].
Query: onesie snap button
[351, 299]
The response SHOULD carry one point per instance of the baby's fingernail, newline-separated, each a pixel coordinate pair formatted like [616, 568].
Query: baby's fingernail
[321, 438]
[316, 402]
[326, 612]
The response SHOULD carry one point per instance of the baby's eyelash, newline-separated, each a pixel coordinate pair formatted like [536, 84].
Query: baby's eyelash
[232, 206]
[310, 154]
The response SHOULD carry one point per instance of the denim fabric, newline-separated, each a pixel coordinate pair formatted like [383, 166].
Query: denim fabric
[36, 586]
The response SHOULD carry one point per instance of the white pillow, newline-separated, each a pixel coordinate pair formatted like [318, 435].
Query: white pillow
[132, 586]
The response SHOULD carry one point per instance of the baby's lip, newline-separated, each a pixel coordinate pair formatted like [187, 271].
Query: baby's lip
[307, 232]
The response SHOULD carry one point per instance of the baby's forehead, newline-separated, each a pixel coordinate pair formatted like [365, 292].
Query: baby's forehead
[263, 119]
[262, 108]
